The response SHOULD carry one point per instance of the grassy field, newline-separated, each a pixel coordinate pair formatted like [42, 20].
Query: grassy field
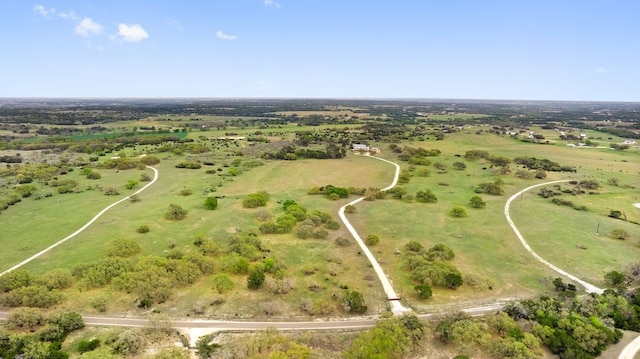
[484, 244]
[285, 180]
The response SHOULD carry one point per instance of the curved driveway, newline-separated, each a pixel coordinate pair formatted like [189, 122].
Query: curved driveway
[397, 307]
[155, 178]
[590, 288]
[629, 352]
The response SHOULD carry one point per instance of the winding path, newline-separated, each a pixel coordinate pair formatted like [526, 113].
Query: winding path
[630, 351]
[155, 178]
[392, 297]
[590, 288]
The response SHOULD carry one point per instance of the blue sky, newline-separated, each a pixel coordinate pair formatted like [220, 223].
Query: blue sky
[475, 49]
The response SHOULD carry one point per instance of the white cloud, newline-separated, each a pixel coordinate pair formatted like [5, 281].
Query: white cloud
[43, 11]
[132, 33]
[602, 70]
[68, 15]
[88, 27]
[222, 36]
[272, 3]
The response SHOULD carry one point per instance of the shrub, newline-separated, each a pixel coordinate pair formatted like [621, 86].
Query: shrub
[93, 175]
[99, 304]
[426, 196]
[175, 212]
[256, 277]
[343, 242]
[372, 240]
[143, 229]
[350, 209]
[619, 233]
[494, 188]
[353, 302]
[88, 345]
[186, 192]
[320, 234]
[123, 247]
[222, 283]
[131, 184]
[150, 160]
[211, 203]
[424, 291]
[189, 165]
[458, 212]
[111, 191]
[332, 224]
[459, 166]
[254, 200]
[129, 342]
[477, 202]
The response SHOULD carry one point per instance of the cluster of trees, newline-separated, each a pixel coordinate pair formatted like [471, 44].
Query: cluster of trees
[498, 334]
[415, 156]
[392, 337]
[431, 266]
[543, 164]
[334, 192]
[20, 288]
[494, 188]
[473, 155]
[311, 224]
[37, 335]
[577, 329]
[192, 165]
[292, 153]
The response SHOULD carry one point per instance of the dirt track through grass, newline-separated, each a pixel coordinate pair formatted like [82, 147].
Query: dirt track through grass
[155, 178]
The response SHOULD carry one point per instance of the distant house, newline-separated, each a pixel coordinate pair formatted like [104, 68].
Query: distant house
[583, 136]
[360, 147]
[364, 148]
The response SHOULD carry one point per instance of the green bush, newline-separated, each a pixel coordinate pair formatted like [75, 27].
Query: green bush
[175, 213]
[143, 229]
[211, 203]
[458, 212]
[254, 200]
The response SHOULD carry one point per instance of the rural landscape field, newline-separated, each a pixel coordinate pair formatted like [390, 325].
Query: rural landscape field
[232, 211]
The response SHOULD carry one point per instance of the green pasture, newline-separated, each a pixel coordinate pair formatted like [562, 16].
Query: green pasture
[484, 244]
[33, 225]
[578, 241]
[282, 179]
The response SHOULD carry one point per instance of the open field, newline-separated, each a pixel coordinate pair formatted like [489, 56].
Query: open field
[275, 177]
[483, 242]
[250, 264]
[484, 245]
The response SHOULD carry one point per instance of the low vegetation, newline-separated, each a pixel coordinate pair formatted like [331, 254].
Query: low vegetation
[242, 236]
